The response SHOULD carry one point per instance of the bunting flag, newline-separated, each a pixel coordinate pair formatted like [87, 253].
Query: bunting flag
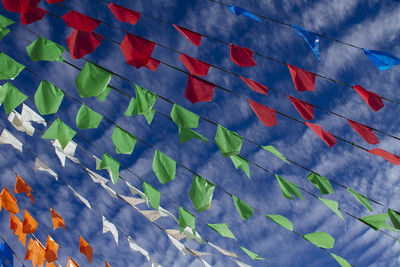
[362, 199]
[35, 14]
[132, 110]
[6, 255]
[85, 249]
[266, 115]
[252, 255]
[20, 6]
[373, 100]
[29, 224]
[8, 202]
[16, 226]
[72, 263]
[244, 210]
[3, 31]
[136, 247]
[255, 86]
[326, 136]
[195, 66]
[95, 177]
[229, 142]
[223, 251]
[242, 56]
[92, 80]
[81, 198]
[237, 10]
[124, 142]
[48, 98]
[321, 183]
[79, 21]
[395, 160]
[341, 261]
[102, 97]
[145, 100]
[107, 265]
[60, 131]
[311, 38]
[186, 219]
[43, 49]
[81, 43]
[222, 229]
[124, 14]
[152, 194]
[40, 166]
[35, 252]
[22, 187]
[21, 122]
[201, 193]
[377, 221]
[281, 220]
[303, 80]
[394, 218]
[111, 165]
[320, 239]
[288, 188]
[110, 191]
[9, 139]
[137, 50]
[11, 97]
[57, 220]
[164, 167]
[184, 118]
[109, 227]
[9, 68]
[305, 109]
[333, 205]
[87, 118]
[365, 132]
[5, 22]
[185, 134]
[241, 163]
[193, 37]
[274, 151]
[199, 90]
[382, 60]
[67, 152]
[51, 250]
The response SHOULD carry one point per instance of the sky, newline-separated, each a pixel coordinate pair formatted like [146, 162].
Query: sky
[369, 24]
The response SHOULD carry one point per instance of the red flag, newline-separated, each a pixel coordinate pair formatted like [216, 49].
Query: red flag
[373, 100]
[137, 51]
[20, 6]
[258, 87]
[33, 15]
[365, 132]
[305, 109]
[195, 66]
[85, 249]
[8, 201]
[51, 249]
[193, 37]
[199, 90]
[152, 64]
[35, 252]
[242, 56]
[22, 187]
[303, 80]
[82, 43]
[29, 224]
[386, 155]
[79, 21]
[124, 14]
[54, 1]
[326, 136]
[265, 114]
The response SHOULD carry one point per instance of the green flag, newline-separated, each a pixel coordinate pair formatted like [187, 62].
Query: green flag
[3, 32]
[274, 151]
[132, 110]
[341, 261]
[320, 239]
[377, 221]
[60, 131]
[288, 188]
[333, 205]
[363, 200]
[111, 165]
[185, 134]
[104, 94]
[321, 183]
[44, 49]
[281, 220]
[222, 229]
[229, 142]
[252, 255]
[11, 97]
[164, 167]
[48, 98]
[124, 142]
[186, 219]
[92, 80]
[152, 194]
[201, 193]
[184, 118]
[145, 100]
[4, 21]
[395, 218]
[245, 211]
[86, 118]
[9, 68]
[241, 163]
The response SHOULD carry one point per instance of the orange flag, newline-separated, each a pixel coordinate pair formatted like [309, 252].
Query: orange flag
[72, 263]
[35, 252]
[30, 224]
[8, 201]
[107, 265]
[51, 249]
[16, 226]
[22, 187]
[85, 249]
[51, 264]
[57, 220]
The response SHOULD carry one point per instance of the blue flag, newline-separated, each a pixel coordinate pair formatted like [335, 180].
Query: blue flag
[311, 38]
[6, 255]
[237, 10]
[383, 60]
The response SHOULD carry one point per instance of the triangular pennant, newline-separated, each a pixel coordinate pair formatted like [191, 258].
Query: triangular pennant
[257, 87]
[303, 80]
[373, 100]
[312, 39]
[194, 66]
[22, 187]
[124, 14]
[199, 90]
[326, 136]
[229, 142]
[85, 249]
[266, 115]
[305, 109]
[395, 160]
[193, 37]
[365, 132]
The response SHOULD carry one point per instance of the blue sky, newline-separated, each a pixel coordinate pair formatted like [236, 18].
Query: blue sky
[371, 24]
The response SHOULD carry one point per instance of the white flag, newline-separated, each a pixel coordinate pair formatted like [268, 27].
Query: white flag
[29, 115]
[40, 166]
[136, 247]
[223, 251]
[96, 178]
[9, 139]
[133, 201]
[16, 120]
[136, 191]
[241, 264]
[112, 193]
[68, 151]
[109, 227]
[81, 198]
[178, 245]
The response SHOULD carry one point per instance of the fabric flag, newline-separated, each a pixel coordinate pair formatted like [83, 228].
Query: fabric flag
[321, 183]
[241, 264]
[95, 177]
[3, 32]
[241, 163]
[40, 166]
[8, 202]
[320, 239]
[92, 80]
[35, 14]
[237, 10]
[22, 187]
[16, 226]
[326, 136]
[85, 249]
[242, 56]
[81, 198]
[67, 152]
[194, 66]
[373, 100]
[185, 134]
[223, 251]
[333, 205]
[60, 131]
[48, 98]
[305, 109]
[87, 118]
[362, 199]
[28, 115]
[201, 193]
[11, 97]
[164, 167]
[111, 165]
[266, 115]
[341, 261]
[5, 22]
[395, 160]
[9, 139]
[244, 210]
[106, 264]
[311, 38]
[303, 80]
[132, 110]
[281, 220]
[394, 218]
[145, 99]
[110, 191]
[124, 14]
[19, 5]
[44, 49]
[288, 188]
[229, 142]
[274, 151]
[57, 220]
[124, 142]
[377, 221]
[9, 68]
[51, 249]
[383, 60]
[136, 247]
[35, 252]
[72, 263]
[257, 87]
[188, 233]
[365, 132]
[184, 118]
[135, 191]
[81, 43]
[222, 229]
[23, 126]
[199, 90]
[105, 93]
[252, 255]
[179, 246]
[186, 219]
[152, 64]
[137, 50]
[6, 255]
[193, 37]
[152, 194]
[81, 22]
[110, 227]
[29, 224]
